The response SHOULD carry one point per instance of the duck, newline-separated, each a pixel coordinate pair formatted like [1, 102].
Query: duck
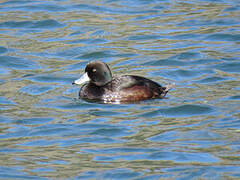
[100, 85]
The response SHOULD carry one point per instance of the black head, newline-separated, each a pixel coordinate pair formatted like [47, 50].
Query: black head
[98, 72]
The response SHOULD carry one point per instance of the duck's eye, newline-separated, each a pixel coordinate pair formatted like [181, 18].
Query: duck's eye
[94, 70]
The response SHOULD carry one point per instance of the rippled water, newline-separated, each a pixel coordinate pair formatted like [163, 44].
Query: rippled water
[47, 132]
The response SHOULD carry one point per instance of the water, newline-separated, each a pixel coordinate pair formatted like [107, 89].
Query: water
[47, 132]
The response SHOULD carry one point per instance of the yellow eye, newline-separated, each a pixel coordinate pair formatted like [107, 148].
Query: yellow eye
[94, 70]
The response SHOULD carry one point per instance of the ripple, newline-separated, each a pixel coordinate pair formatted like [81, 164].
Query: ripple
[90, 139]
[187, 56]
[96, 55]
[16, 132]
[184, 110]
[83, 133]
[98, 9]
[17, 63]
[49, 23]
[165, 62]
[232, 8]
[33, 121]
[15, 172]
[72, 106]
[52, 78]
[4, 119]
[6, 104]
[204, 172]
[26, 5]
[228, 122]
[121, 174]
[15, 24]
[237, 97]
[120, 150]
[144, 37]
[51, 130]
[8, 150]
[205, 61]
[103, 55]
[107, 113]
[233, 67]
[44, 24]
[15, 2]
[112, 132]
[186, 36]
[4, 100]
[37, 89]
[183, 157]
[198, 135]
[3, 50]
[71, 52]
[212, 79]
[89, 41]
[42, 170]
[42, 7]
[223, 37]
[40, 143]
[177, 157]
[2, 72]
[214, 22]
[165, 137]
[182, 74]
[77, 66]
[92, 8]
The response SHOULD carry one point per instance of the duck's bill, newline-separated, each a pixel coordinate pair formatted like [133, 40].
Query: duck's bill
[83, 79]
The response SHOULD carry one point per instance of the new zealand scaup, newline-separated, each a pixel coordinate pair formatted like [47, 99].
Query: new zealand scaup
[100, 85]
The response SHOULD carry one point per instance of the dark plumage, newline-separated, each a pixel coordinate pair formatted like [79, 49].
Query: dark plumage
[102, 86]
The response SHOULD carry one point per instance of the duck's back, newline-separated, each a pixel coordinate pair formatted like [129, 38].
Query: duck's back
[129, 88]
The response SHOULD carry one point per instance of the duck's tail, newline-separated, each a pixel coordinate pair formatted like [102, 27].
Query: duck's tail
[166, 89]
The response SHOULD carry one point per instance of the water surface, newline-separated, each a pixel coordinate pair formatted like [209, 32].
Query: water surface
[47, 132]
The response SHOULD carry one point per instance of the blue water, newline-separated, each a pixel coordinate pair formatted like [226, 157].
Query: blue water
[46, 132]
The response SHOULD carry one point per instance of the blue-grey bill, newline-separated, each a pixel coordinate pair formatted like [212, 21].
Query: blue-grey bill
[83, 79]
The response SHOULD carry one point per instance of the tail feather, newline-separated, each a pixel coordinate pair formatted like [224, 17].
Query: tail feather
[166, 89]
